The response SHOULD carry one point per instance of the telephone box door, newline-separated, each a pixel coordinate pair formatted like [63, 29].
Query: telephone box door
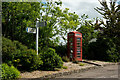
[78, 48]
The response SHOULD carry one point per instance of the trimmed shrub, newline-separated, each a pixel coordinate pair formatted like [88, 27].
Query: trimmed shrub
[8, 50]
[17, 58]
[19, 45]
[14, 53]
[9, 72]
[29, 60]
[11, 50]
[50, 60]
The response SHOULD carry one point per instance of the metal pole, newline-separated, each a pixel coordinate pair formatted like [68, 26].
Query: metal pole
[37, 32]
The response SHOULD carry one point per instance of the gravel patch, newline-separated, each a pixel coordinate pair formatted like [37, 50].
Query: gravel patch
[72, 68]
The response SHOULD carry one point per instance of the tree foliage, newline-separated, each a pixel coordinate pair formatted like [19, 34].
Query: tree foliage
[59, 21]
[111, 27]
[111, 14]
[87, 29]
[17, 16]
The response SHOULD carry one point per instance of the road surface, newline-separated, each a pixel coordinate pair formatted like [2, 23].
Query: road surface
[110, 71]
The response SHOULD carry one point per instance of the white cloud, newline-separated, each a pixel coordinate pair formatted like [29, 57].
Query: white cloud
[82, 7]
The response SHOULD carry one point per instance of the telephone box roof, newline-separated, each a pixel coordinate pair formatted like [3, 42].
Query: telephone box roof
[74, 32]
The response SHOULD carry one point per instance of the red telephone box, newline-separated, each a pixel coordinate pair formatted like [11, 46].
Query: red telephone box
[74, 45]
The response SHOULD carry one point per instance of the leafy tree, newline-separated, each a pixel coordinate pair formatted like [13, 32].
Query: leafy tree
[87, 29]
[111, 14]
[59, 22]
[110, 28]
[17, 16]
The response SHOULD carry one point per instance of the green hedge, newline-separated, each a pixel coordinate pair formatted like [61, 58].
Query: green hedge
[8, 50]
[9, 72]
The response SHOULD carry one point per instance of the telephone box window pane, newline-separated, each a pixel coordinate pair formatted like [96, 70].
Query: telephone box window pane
[71, 49]
[71, 40]
[78, 53]
[71, 46]
[78, 39]
[78, 46]
[78, 43]
[78, 49]
[71, 55]
[71, 43]
[78, 56]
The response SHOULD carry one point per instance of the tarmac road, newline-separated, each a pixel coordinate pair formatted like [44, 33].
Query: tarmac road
[110, 71]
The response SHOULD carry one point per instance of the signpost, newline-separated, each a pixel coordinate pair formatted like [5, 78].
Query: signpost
[38, 24]
[33, 30]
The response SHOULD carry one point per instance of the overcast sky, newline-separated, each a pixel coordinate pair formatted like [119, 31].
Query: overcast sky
[82, 7]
